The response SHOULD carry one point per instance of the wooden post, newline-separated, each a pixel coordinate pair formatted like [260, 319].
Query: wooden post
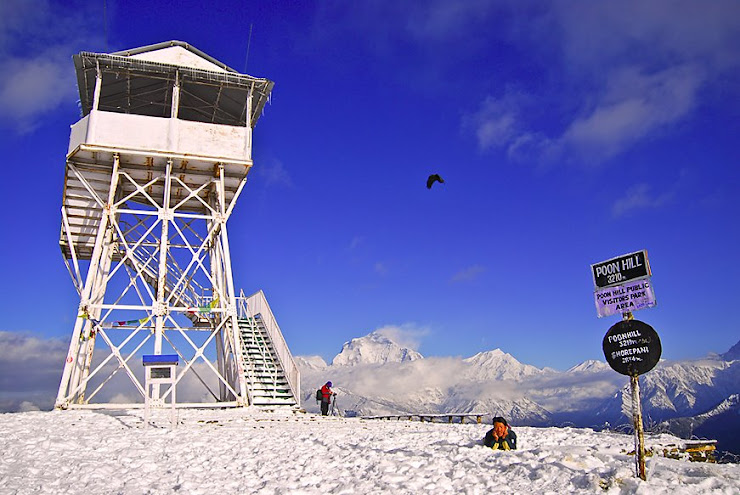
[637, 421]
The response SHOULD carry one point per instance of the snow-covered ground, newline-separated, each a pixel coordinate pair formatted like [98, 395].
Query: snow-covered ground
[247, 451]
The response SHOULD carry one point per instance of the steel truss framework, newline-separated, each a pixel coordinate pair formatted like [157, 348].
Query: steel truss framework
[153, 271]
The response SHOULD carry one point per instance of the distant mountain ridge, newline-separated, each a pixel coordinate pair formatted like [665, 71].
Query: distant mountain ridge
[733, 354]
[374, 375]
[677, 389]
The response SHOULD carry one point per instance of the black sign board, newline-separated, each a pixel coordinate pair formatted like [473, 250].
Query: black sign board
[632, 347]
[621, 269]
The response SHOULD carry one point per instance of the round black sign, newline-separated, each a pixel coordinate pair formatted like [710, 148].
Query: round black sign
[632, 347]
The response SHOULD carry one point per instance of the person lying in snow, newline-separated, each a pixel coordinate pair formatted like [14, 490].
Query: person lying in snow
[500, 437]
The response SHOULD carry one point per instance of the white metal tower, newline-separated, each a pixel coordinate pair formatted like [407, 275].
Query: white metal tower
[154, 168]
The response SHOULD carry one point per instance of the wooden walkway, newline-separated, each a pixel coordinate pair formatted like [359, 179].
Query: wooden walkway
[696, 450]
[430, 417]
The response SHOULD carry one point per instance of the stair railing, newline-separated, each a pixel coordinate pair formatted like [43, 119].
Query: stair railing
[266, 348]
[257, 304]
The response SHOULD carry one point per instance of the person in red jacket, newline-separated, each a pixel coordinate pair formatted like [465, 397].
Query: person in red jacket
[326, 394]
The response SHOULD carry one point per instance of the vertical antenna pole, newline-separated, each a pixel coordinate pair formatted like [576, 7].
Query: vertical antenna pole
[249, 42]
[105, 23]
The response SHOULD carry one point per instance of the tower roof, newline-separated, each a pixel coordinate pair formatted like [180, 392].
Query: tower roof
[176, 53]
[140, 81]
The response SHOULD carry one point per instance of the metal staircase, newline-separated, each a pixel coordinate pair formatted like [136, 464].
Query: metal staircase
[266, 382]
[272, 376]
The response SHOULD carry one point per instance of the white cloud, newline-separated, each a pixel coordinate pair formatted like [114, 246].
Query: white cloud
[635, 105]
[380, 268]
[402, 381]
[356, 242]
[617, 75]
[26, 406]
[274, 173]
[427, 24]
[639, 197]
[632, 106]
[590, 80]
[600, 33]
[468, 274]
[406, 335]
[441, 19]
[497, 122]
[30, 369]
[37, 41]
[32, 87]
[121, 398]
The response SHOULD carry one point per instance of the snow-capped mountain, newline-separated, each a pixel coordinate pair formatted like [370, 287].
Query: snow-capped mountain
[374, 375]
[373, 349]
[687, 426]
[310, 362]
[498, 365]
[589, 366]
[677, 389]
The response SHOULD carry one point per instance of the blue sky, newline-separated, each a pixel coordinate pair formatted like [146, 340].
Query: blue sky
[567, 133]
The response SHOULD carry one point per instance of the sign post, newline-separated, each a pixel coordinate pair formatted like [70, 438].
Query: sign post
[631, 347]
[637, 425]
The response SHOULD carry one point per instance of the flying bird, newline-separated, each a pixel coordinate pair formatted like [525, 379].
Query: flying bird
[434, 178]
